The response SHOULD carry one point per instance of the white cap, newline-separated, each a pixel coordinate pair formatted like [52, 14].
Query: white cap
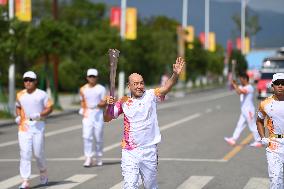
[29, 74]
[92, 71]
[277, 76]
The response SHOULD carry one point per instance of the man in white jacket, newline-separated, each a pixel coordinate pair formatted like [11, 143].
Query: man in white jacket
[32, 106]
[92, 97]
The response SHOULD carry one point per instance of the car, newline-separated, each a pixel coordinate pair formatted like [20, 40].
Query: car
[270, 66]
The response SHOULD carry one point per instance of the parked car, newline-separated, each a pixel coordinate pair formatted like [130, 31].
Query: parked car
[270, 66]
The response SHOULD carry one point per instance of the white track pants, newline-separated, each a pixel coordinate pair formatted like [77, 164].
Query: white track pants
[275, 169]
[91, 129]
[246, 119]
[31, 142]
[140, 161]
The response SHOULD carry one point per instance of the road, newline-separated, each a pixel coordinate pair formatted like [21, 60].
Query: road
[192, 154]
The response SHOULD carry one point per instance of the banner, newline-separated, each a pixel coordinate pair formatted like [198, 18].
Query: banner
[247, 45]
[189, 36]
[212, 42]
[131, 24]
[3, 2]
[115, 14]
[23, 10]
[229, 47]
[202, 38]
[239, 43]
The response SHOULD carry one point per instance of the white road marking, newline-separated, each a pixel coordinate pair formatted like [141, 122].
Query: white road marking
[257, 183]
[195, 182]
[72, 181]
[120, 185]
[160, 107]
[16, 180]
[162, 128]
[118, 159]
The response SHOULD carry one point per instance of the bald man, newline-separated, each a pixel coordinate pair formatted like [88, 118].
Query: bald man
[141, 130]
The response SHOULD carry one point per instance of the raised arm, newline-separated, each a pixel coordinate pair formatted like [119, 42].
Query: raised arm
[177, 69]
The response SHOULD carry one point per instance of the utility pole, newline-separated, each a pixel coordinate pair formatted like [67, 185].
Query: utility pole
[184, 13]
[11, 101]
[123, 19]
[243, 25]
[207, 23]
[55, 59]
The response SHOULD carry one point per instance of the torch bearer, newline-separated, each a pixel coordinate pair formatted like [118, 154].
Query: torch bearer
[113, 59]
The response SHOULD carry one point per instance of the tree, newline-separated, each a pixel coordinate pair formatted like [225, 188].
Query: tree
[252, 25]
[46, 39]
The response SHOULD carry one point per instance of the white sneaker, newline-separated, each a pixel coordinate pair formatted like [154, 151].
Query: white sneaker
[43, 180]
[256, 144]
[24, 185]
[230, 141]
[99, 161]
[88, 162]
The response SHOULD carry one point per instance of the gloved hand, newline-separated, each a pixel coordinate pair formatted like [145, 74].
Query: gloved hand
[81, 111]
[265, 141]
[35, 116]
[18, 119]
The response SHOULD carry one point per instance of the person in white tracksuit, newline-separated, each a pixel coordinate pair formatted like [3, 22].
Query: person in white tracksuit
[32, 106]
[92, 97]
[271, 114]
[141, 130]
[247, 115]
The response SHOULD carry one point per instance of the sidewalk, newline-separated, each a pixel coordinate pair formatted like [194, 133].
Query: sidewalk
[70, 103]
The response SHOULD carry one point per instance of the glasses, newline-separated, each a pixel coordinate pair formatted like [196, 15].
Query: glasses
[29, 80]
[279, 82]
[92, 76]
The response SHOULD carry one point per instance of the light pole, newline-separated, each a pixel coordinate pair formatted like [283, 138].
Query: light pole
[243, 25]
[207, 14]
[123, 19]
[11, 100]
[184, 13]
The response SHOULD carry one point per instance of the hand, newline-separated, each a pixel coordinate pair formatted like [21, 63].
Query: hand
[18, 120]
[234, 82]
[35, 116]
[265, 141]
[109, 100]
[81, 111]
[178, 66]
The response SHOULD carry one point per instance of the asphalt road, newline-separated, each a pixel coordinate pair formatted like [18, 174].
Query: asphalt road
[192, 154]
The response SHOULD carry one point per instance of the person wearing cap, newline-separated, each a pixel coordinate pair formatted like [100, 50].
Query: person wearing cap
[92, 97]
[141, 130]
[32, 106]
[247, 116]
[271, 115]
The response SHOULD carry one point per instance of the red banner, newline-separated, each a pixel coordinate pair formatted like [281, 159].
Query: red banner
[3, 2]
[229, 47]
[115, 14]
[239, 43]
[202, 38]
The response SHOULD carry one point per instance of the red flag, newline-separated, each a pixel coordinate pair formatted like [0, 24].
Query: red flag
[229, 47]
[3, 2]
[239, 43]
[115, 14]
[202, 38]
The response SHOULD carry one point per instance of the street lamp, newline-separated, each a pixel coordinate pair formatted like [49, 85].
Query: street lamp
[243, 24]
[207, 7]
[123, 18]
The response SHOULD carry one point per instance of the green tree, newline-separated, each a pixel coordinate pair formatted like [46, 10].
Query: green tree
[241, 65]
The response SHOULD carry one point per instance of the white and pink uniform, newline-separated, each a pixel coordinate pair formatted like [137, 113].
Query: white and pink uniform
[31, 132]
[272, 111]
[247, 113]
[92, 118]
[141, 136]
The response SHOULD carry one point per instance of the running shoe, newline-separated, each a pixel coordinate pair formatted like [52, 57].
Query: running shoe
[24, 185]
[99, 161]
[256, 144]
[88, 162]
[230, 141]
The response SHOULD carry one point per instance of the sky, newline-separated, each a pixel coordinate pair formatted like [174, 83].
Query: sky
[258, 5]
